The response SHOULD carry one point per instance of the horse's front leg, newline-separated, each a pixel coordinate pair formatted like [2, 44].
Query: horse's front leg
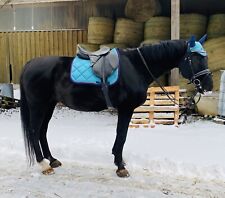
[124, 116]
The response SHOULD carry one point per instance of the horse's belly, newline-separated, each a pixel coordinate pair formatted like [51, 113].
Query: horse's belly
[87, 104]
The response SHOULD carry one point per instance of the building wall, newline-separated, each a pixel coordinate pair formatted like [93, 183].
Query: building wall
[43, 29]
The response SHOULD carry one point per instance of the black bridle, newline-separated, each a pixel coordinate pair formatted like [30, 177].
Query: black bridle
[194, 79]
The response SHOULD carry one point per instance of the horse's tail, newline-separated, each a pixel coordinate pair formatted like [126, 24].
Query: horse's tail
[25, 120]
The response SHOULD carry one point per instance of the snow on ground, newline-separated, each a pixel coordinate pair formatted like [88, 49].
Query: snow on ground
[164, 162]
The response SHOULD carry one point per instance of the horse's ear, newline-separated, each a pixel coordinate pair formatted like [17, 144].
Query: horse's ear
[192, 41]
[202, 40]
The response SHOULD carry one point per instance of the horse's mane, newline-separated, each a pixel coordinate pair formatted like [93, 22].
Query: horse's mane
[165, 50]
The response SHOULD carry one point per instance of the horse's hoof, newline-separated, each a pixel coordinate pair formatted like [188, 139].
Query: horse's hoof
[122, 173]
[49, 171]
[56, 163]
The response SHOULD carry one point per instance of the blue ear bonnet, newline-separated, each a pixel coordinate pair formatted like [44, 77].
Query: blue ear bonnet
[197, 48]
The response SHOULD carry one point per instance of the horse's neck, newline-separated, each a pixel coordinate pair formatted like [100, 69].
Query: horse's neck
[163, 57]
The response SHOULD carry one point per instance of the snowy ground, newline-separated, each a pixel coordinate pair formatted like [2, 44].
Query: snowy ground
[164, 162]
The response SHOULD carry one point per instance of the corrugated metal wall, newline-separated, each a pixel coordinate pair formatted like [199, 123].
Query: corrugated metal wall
[57, 15]
[18, 47]
[43, 29]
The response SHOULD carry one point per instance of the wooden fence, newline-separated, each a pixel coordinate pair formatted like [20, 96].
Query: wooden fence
[16, 48]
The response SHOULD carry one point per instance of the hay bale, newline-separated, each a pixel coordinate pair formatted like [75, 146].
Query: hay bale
[89, 47]
[128, 32]
[158, 28]
[216, 53]
[192, 24]
[114, 45]
[150, 42]
[216, 26]
[100, 30]
[142, 10]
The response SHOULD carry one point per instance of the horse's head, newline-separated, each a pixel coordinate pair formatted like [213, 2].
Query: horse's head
[194, 66]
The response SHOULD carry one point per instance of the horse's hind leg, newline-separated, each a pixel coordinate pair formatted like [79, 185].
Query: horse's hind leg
[54, 163]
[36, 120]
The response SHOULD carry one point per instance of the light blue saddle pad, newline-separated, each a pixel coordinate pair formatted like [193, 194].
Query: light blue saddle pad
[82, 72]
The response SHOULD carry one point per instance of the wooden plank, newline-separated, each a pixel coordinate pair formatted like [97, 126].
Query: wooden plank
[164, 102]
[70, 43]
[37, 44]
[51, 43]
[164, 121]
[175, 34]
[20, 48]
[13, 50]
[140, 121]
[46, 43]
[14, 58]
[32, 44]
[3, 57]
[139, 115]
[139, 125]
[60, 41]
[156, 108]
[28, 46]
[164, 115]
[80, 37]
[84, 38]
[65, 43]
[42, 44]
[167, 88]
[55, 43]
[74, 41]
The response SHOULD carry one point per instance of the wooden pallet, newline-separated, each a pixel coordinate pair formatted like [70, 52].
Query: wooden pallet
[8, 103]
[158, 108]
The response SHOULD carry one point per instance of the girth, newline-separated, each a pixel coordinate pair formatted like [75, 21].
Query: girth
[104, 62]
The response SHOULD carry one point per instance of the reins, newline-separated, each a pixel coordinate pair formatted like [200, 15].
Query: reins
[171, 98]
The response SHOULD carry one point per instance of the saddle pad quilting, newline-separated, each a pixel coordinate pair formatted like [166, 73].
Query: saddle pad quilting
[82, 72]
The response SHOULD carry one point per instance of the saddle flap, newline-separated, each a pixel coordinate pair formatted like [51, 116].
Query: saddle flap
[102, 68]
[106, 64]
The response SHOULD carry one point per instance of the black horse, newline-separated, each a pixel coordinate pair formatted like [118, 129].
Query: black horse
[45, 81]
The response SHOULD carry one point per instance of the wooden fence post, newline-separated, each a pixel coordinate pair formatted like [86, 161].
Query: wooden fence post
[175, 34]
